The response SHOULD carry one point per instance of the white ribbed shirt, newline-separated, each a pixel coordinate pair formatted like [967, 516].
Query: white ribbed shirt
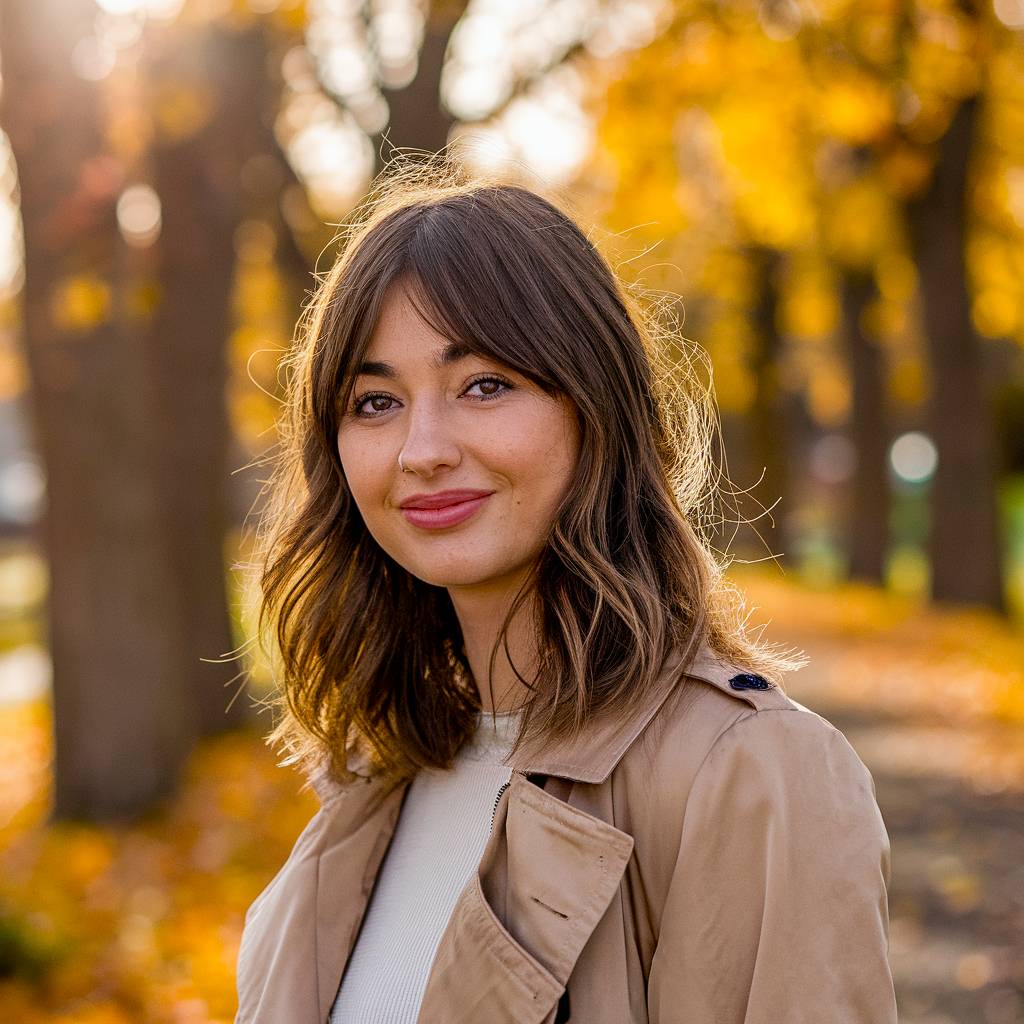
[439, 838]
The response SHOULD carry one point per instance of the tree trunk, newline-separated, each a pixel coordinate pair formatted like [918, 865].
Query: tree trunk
[198, 174]
[121, 731]
[769, 419]
[867, 527]
[965, 546]
[418, 119]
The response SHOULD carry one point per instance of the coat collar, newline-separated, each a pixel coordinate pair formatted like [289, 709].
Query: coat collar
[602, 742]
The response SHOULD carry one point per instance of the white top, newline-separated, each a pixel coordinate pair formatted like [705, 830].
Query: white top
[438, 842]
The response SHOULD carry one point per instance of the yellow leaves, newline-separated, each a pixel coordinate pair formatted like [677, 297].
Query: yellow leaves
[291, 16]
[102, 1014]
[876, 33]
[86, 853]
[854, 107]
[97, 1013]
[809, 306]
[235, 803]
[996, 313]
[996, 264]
[905, 169]
[896, 276]
[816, 142]
[142, 927]
[646, 179]
[751, 96]
[1008, 700]
[908, 384]
[729, 342]
[860, 225]
[24, 760]
[263, 329]
[765, 171]
[908, 572]
[80, 303]
[254, 352]
[886, 320]
[812, 312]
[995, 260]
[727, 277]
[252, 415]
[944, 59]
[258, 293]
[255, 241]
[779, 217]
[702, 55]
[828, 393]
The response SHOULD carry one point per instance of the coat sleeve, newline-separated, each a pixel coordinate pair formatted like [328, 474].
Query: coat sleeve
[777, 908]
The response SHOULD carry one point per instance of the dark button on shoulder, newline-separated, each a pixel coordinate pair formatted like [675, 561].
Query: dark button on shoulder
[749, 681]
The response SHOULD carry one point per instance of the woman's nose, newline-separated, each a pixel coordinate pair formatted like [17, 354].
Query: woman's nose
[429, 443]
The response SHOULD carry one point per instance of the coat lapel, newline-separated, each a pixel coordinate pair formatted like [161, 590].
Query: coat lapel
[546, 877]
[548, 874]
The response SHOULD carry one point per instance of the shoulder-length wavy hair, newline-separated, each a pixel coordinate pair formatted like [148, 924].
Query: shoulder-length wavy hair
[369, 657]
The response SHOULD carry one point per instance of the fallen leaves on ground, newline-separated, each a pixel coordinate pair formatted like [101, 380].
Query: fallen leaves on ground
[141, 923]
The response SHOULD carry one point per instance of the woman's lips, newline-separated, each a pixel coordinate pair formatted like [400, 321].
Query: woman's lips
[448, 515]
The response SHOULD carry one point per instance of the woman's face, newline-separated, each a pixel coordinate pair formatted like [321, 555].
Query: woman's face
[488, 455]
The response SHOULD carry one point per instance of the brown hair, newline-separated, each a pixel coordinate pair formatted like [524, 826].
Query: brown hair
[370, 657]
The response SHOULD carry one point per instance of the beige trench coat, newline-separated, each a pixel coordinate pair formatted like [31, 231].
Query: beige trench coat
[720, 859]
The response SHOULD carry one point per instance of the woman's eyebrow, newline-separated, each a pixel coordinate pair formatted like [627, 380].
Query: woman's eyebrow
[451, 353]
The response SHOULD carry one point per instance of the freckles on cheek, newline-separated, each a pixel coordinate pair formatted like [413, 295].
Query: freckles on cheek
[356, 472]
[365, 486]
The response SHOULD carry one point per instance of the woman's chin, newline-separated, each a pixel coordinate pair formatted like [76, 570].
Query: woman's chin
[461, 576]
[454, 579]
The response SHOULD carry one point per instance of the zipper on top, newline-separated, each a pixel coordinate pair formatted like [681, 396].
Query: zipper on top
[505, 785]
[497, 800]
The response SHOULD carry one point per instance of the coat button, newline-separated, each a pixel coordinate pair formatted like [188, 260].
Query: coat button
[749, 681]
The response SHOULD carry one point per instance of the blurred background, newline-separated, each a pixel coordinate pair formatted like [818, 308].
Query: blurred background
[833, 190]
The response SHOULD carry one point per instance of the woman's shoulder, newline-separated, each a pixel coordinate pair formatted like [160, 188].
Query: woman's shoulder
[767, 837]
[723, 718]
[726, 765]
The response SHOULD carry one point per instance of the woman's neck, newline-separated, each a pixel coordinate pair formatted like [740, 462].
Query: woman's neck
[481, 613]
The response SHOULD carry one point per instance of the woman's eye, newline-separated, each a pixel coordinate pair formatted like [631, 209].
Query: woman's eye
[490, 387]
[372, 404]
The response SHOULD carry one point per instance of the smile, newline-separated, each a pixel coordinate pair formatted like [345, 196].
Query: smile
[458, 511]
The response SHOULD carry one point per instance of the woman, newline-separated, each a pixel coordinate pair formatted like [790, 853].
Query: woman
[558, 780]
